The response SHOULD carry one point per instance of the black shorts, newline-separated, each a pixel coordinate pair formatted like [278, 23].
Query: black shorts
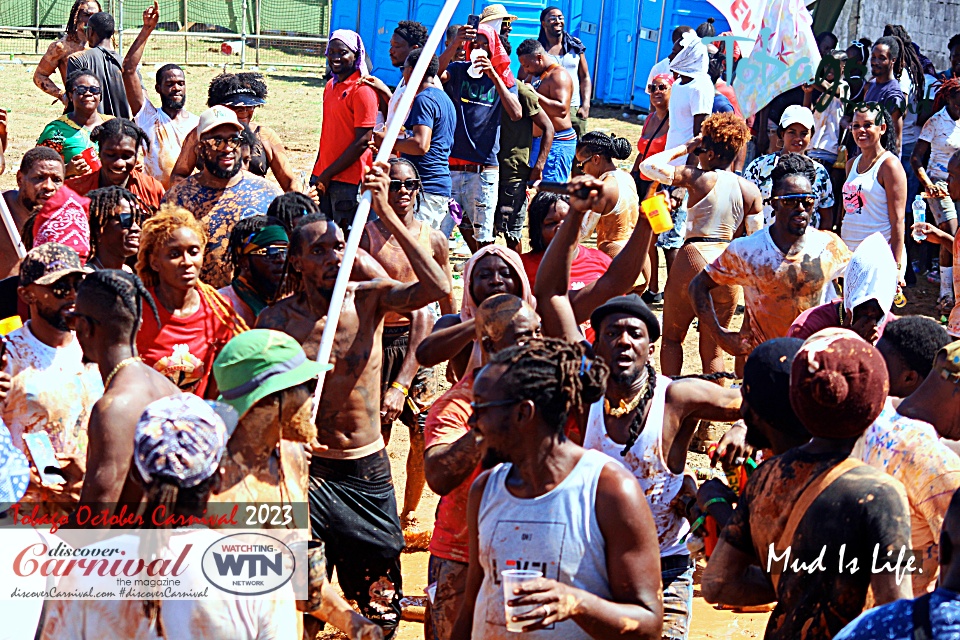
[424, 389]
[353, 509]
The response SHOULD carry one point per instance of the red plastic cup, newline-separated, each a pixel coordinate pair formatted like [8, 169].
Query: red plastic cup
[93, 160]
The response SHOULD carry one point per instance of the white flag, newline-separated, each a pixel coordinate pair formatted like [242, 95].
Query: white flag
[744, 17]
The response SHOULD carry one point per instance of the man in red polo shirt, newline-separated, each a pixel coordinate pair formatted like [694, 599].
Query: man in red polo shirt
[349, 115]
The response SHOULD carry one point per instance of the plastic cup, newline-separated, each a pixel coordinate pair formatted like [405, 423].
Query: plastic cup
[93, 160]
[510, 580]
[657, 212]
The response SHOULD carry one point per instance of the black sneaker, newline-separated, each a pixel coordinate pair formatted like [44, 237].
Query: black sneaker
[652, 298]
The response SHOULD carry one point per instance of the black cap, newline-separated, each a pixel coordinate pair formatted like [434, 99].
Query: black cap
[631, 305]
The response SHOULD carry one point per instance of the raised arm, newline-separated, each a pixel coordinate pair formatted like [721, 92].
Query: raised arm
[187, 160]
[657, 167]
[508, 100]
[553, 277]
[450, 337]
[464, 33]
[131, 79]
[432, 283]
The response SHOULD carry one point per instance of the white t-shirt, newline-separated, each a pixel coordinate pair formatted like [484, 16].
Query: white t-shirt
[51, 390]
[209, 619]
[911, 131]
[166, 136]
[687, 101]
[663, 66]
[826, 123]
[943, 134]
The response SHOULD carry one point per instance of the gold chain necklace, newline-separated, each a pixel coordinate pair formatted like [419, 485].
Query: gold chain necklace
[116, 369]
[626, 407]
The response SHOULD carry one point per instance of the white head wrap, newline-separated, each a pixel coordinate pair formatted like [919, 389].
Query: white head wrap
[871, 275]
[693, 58]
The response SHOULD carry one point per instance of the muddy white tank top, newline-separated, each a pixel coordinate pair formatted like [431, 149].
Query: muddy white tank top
[646, 460]
[865, 205]
[556, 533]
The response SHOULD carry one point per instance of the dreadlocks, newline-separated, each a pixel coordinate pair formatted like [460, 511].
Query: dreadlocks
[158, 230]
[241, 233]
[103, 205]
[950, 89]
[118, 297]
[75, 10]
[792, 164]
[558, 377]
[117, 129]
[290, 208]
[599, 143]
[910, 58]
[640, 415]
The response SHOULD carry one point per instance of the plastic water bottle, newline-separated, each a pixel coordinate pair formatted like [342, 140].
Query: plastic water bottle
[919, 215]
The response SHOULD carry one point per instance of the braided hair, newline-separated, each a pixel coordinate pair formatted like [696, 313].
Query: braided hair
[910, 59]
[640, 415]
[403, 161]
[949, 89]
[608, 146]
[118, 297]
[103, 205]
[75, 11]
[290, 207]
[76, 75]
[558, 377]
[117, 129]
[537, 212]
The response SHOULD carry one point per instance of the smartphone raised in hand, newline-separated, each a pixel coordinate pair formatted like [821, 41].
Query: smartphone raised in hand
[473, 21]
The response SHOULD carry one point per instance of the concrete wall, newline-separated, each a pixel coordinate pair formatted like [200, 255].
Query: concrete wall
[930, 23]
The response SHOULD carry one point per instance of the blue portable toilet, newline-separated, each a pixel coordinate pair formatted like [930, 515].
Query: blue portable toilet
[624, 38]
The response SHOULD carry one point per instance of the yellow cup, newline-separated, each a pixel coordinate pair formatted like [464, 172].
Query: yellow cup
[657, 212]
[9, 325]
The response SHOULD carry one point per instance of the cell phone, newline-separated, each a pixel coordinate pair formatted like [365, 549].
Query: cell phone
[473, 21]
[563, 188]
[41, 450]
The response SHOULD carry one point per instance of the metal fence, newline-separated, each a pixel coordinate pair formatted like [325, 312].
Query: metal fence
[243, 33]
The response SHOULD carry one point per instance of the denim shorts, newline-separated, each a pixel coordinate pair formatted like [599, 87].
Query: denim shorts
[677, 601]
[673, 239]
[435, 211]
[477, 194]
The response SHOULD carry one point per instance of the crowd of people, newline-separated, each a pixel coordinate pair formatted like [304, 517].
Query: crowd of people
[163, 268]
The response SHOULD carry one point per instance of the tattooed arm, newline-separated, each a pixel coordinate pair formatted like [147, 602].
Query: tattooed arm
[47, 66]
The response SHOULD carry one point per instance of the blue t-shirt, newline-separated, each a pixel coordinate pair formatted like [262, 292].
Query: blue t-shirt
[477, 103]
[721, 104]
[894, 621]
[432, 108]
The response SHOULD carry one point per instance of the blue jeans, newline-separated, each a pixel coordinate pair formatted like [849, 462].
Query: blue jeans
[677, 602]
[477, 194]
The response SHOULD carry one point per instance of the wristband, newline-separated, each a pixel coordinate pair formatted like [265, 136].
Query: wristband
[402, 389]
[715, 501]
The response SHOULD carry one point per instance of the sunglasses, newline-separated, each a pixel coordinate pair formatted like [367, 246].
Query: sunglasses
[652, 88]
[476, 406]
[126, 220]
[218, 143]
[409, 185]
[273, 252]
[699, 150]
[796, 200]
[579, 164]
[62, 287]
[82, 90]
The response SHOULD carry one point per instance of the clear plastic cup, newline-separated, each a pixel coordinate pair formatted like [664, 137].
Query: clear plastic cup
[510, 580]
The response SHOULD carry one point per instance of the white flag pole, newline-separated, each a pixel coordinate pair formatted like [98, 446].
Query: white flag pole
[12, 231]
[437, 34]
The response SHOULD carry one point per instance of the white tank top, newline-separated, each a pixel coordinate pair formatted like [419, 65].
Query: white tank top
[865, 205]
[646, 461]
[556, 533]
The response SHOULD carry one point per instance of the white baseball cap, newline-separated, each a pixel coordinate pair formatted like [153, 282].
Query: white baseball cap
[216, 116]
[795, 114]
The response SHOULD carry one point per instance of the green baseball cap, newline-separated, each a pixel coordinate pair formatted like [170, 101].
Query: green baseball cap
[259, 362]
